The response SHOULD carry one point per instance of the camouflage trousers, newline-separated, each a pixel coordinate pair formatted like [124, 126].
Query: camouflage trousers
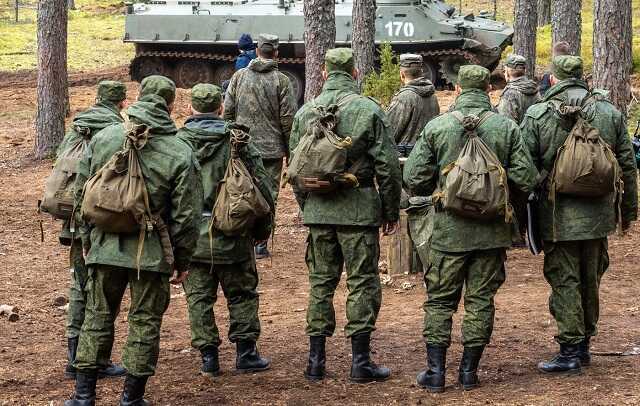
[77, 290]
[274, 170]
[149, 300]
[329, 250]
[480, 273]
[239, 282]
[574, 270]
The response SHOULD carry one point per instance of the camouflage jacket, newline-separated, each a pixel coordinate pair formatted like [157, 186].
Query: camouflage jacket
[440, 144]
[209, 138]
[259, 96]
[545, 132]
[365, 122]
[411, 108]
[173, 183]
[96, 118]
[517, 97]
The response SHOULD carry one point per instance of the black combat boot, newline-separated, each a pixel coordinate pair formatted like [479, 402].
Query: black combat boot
[317, 358]
[248, 359]
[432, 378]
[210, 363]
[566, 361]
[72, 348]
[133, 393]
[364, 370]
[468, 374]
[111, 371]
[584, 352]
[85, 393]
[262, 251]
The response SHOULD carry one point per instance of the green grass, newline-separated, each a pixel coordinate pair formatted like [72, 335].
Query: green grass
[95, 36]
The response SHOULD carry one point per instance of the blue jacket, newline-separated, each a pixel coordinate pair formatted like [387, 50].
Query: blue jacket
[244, 58]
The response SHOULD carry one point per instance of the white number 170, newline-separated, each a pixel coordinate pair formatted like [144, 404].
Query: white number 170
[397, 28]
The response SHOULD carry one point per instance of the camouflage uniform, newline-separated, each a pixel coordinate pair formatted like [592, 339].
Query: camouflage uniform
[519, 94]
[171, 174]
[576, 254]
[231, 263]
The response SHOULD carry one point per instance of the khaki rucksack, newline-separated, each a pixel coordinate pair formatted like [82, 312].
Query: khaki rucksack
[59, 187]
[239, 203]
[319, 163]
[476, 183]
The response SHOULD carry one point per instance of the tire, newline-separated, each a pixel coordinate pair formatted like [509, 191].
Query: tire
[430, 71]
[190, 72]
[296, 79]
[144, 66]
[222, 73]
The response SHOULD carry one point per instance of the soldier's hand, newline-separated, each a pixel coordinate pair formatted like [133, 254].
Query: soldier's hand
[178, 277]
[389, 227]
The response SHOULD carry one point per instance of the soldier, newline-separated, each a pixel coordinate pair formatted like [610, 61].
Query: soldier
[415, 104]
[520, 93]
[247, 51]
[259, 96]
[231, 263]
[576, 253]
[170, 171]
[559, 49]
[343, 225]
[477, 260]
[110, 100]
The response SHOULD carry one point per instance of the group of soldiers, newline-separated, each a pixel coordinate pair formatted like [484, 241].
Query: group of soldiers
[183, 168]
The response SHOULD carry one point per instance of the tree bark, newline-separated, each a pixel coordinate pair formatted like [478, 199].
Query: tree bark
[544, 12]
[364, 33]
[319, 36]
[52, 76]
[567, 23]
[612, 47]
[524, 39]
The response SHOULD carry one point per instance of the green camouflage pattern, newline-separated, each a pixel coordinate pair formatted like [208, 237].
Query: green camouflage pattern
[517, 97]
[171, 173]
[273, 167]
[440, 144]
[567, 67]
[149, 293]
[239, 283]
[481, 273]
[473, 77]
[339, 59]
[157, 85]
[515, 61]
[77, 290]
[206, 98]
[111, 91]
[330, 250]
[209, 138]
[545, 132]
[411, 108]
[574, 270]
[259, 96]
[364, 121]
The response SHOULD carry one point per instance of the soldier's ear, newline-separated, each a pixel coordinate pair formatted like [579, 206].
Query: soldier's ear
[355, 73]
[325, 75]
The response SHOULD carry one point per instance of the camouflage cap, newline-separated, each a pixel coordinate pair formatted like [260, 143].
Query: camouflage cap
[410, 61]
[268, 41]
[567, 66]
[158, 85]
[515, 61]
[206, 98]
[339, 59]
[473, 77]
[112, 91]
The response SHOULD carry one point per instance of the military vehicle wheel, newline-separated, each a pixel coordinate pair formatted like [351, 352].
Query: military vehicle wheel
[430, 71]
[144, 66]
[222, 73]
[450, 66]
[297, 82]
[190, 72]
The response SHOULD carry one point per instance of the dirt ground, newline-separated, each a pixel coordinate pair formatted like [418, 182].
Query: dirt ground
[34, 273]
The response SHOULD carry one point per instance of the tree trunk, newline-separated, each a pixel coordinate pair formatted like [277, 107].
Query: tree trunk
[612, 59]
[524, 39]
[52, 75]
[567, 23]
[364, 33]
[319, 36]
[544, 12]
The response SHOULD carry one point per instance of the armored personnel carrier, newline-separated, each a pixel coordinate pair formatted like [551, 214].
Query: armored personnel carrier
[195, 41]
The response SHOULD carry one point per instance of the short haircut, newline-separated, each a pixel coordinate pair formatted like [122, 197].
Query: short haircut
[517, 72]
[413, 72]
[561, 48]
[267, 52]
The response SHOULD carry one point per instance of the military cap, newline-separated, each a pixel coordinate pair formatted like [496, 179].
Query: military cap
[339, 59]
[410, 61]
[268, 41]
[206, 98]
[112, 91]
[567, 66]
[473, 77]
[158, 85]
[515, 61]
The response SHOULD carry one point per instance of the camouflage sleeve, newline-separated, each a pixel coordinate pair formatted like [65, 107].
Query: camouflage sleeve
[84, 173]
[421, 170]
[520, 170]
[399, 116]
[529, 136]
[287, 109]
[230, 99]
[186, 211]
[626, 158]
[294, 139]
[509, 106]
[387, 169]
[262, 228]
[66, 141]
